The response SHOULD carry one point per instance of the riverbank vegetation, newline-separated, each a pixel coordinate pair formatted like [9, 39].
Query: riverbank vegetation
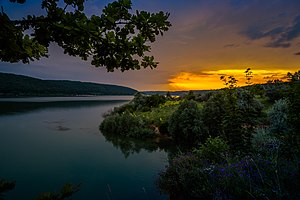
[238, 142]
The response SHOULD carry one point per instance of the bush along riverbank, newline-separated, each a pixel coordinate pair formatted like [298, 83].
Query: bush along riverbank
[239, 143]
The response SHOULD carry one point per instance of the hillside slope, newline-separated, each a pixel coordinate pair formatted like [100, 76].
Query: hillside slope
[19, 85]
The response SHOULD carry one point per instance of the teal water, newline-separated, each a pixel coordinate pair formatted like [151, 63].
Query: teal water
[45, 143]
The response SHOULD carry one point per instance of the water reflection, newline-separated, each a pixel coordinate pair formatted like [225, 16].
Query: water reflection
[11, 108]
[46, 144]
[130, 146]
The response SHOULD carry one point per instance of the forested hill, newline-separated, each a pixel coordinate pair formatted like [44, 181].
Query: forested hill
[19, 85]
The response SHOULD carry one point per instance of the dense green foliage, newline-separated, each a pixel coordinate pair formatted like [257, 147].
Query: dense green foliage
[235, 143]
[265, 143]
[294, 111]
[143, 117]
[143, 103]
[185, 124]
[189, 177]
[116, 39]
[214, 149]
[126, 125]
[17, 85]
[253, 152]
[278, 117]
[232, 114]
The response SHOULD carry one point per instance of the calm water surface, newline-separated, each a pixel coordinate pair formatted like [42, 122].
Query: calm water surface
[47, 142]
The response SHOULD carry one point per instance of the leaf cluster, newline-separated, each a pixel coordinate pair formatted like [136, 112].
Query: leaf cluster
[116, 39]
[66, 192]
[6, 186]
[230, 81]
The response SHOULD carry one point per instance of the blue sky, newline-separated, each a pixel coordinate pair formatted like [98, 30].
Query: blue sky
[208, 37]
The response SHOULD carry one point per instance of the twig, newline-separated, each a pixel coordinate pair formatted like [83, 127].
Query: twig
[262, 180]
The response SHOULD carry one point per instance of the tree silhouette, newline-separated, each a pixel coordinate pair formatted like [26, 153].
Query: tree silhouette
[248, 75]
[6, 186]
[116, 39]
[231, 82]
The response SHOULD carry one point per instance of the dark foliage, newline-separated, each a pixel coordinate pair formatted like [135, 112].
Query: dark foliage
[187, 177]
[6, 186]
[213, 113]
[294, 112]
[185, 124]
[116, 39]
[275, 90]
[66, 192]
[232, 114]
[146, 102]
[126, 125]
[141, 103]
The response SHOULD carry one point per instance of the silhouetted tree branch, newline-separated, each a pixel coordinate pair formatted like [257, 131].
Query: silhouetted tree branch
[116, 39]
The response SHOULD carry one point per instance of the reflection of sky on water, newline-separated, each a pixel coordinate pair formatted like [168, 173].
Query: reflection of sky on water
[40, 157]
[68, 99]
[18, 105]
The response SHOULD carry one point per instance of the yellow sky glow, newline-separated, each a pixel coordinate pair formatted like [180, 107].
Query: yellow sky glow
[211, 79]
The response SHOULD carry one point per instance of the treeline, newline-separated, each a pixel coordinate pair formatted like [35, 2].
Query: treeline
[235, 143]
[17, 85]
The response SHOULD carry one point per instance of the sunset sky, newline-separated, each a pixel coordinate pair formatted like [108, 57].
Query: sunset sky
[208, 38]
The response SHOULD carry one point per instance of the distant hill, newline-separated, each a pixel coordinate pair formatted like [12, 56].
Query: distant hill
[19, 85]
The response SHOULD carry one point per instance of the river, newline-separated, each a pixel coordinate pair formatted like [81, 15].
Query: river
[47, 142]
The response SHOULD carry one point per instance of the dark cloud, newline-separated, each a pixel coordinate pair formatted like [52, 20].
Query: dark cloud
[199, 73]
[297, 54]
[278, 44]
[280, 36]
[253, 33]
[274, 32]
[283, 14]
[231, 46]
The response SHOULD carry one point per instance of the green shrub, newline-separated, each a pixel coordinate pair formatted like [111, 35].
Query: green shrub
[232, 114]
[181, 182]
[185, 124]
[214, 150]
[278, 116]
[270, 171]
[189, 177]
[265, 144]
[144, 103]
[157, 116]
[127, 125]
[213, 113]
[275, 90]
[293, 139]
[189, 96]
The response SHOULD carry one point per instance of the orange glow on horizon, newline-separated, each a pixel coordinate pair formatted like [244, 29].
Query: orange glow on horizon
[207, 80]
